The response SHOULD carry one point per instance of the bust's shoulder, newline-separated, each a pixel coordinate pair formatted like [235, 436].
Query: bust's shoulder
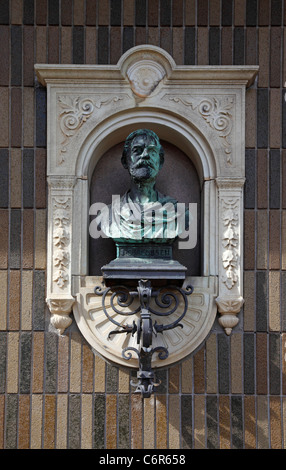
[164, 199]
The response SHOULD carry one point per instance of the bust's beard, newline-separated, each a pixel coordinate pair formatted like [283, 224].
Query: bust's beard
[143, 173]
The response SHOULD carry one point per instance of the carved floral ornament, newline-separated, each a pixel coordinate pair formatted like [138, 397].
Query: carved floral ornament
[230, 243]
[200, 109]
[61, 239]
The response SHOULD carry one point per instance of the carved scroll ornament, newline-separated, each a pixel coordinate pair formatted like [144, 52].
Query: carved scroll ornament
[74, 111]
[217, 112]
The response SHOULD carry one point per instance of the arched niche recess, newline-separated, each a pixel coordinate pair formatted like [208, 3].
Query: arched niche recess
[200, 111]
[178, 178]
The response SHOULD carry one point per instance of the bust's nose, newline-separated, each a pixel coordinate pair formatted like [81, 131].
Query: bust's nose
[145, 153]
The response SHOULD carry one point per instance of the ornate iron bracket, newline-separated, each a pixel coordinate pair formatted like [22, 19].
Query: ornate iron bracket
[166, 303]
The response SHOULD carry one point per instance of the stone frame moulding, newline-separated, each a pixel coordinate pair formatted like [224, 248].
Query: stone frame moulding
[201, 110]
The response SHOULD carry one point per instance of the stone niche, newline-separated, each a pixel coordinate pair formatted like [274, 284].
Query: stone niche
[198, 109]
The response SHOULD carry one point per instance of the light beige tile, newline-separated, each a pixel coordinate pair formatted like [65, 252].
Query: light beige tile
[36, 421]
[211, 364]
[3, 297]
[111, 432]
[149, 423]
[199, 422]
[13, 362]
[174, 422]
[274, 300]
[40, 239]
[236, 363]
[262, 423]
[62, 421]
[99, 374]
[124, 380]
[75, 363]
[27, 300]
[283, 240]
[86, 421]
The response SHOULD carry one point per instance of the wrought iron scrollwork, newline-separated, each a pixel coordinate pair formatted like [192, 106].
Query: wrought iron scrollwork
[166, 303]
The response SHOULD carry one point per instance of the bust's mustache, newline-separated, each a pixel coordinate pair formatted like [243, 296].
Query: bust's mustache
[144, 161]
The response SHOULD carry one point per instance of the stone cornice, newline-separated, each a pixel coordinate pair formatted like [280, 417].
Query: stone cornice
[224, 74]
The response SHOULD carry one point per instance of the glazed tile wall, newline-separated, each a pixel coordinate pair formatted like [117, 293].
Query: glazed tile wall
[54, 393]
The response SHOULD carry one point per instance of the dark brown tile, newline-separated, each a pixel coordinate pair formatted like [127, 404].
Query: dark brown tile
[153, 13]
[249, 239]
[275, 56]
[16, 118]
[284, 179]
[251, 46]
[199, 371]
[28, 52]
[4, 224]
[262, 179]
[226, 46]
[261, 363]
[140, 36]
[66, 11]
[5, 57]
[103, 12]
[166, 39]
[202, 13]
[263, 12]
[40, 183]
[41, 12]
[24, 422]
[53, 45]
[274, 239]
[177, 12]
[90, 12]
[28, 239]
[214, 12]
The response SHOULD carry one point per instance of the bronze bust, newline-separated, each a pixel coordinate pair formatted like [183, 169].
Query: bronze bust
[143, 214]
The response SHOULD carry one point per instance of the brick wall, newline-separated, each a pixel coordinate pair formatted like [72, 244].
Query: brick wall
[54, 393]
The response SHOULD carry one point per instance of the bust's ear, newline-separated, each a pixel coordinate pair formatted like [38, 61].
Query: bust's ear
[124, 161]
[162, 158]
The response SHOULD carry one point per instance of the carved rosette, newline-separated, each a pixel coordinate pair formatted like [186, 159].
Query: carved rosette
[59, 298]
[144, 77]
[230, 301]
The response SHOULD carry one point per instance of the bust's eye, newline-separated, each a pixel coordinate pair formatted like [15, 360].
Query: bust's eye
[138, 150]
[152, 150]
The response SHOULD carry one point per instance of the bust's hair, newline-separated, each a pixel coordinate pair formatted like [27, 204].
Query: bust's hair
[131, 137]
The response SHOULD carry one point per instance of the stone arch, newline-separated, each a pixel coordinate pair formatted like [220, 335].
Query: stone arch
[168, 126]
